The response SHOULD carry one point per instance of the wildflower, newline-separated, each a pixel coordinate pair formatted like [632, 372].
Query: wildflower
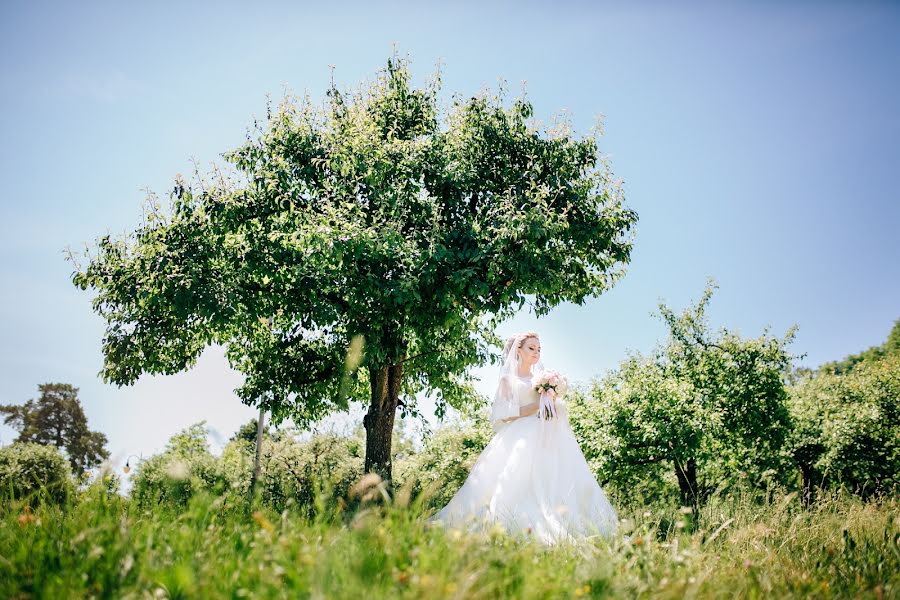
[26, 518]
[747, 564]
[365, 483]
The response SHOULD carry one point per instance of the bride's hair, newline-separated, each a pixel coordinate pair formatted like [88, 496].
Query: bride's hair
[518, 341]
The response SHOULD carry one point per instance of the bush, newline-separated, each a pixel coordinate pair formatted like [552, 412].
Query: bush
[847, 428]
[292, 471]
[184, 468]
[443, 465]
[35, 472]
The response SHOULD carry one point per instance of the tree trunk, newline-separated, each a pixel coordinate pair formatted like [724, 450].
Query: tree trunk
[379, 421]
[687, 481]
[807, 485]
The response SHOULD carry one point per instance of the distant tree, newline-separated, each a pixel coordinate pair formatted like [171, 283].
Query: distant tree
[247, 432]
[705, 406]
[57, 419]
[364, 252]
[890, 347]
[847, 427]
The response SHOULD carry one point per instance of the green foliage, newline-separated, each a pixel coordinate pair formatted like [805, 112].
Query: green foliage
[847, 426]
[34, 472]
[172, 477]
[635, 424]
[248, 432]
[57, 419]
[710, 408]
[440, 468]
[292, 471]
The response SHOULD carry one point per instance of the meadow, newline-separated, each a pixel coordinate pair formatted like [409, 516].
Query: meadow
[99, 544]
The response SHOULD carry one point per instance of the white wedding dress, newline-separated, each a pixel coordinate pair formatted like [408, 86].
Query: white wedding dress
[532, 479]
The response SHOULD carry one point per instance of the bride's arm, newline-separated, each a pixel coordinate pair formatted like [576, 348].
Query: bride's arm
[527, 410]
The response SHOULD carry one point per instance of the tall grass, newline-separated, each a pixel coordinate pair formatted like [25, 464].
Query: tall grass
[103, 546]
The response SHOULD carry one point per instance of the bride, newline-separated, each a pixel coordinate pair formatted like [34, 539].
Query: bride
[532, 477]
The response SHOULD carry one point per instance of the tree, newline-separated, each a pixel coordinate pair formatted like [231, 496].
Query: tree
[57, 419]
[847, 427]
[366, 252]
[844, 416]
[703, 401]
[247, 432]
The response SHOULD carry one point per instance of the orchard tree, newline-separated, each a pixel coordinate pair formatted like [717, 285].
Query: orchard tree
[847, 427]
[56, 418]
[365, 251]
[846, 423]
[713, 402]
[890, 347]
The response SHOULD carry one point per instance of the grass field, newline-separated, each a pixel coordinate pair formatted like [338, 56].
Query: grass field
[103, 546]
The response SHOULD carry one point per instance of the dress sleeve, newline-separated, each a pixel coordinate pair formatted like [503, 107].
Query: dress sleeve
[505, 405]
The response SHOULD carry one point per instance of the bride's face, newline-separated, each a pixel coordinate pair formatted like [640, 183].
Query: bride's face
[530, 352]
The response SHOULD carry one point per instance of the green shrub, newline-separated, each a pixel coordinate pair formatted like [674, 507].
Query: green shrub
[443, 465]
[847, 427]
[184, 468]
[35, 472]
[292, 470]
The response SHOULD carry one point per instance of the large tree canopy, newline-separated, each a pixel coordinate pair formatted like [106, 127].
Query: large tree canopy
[374, 219]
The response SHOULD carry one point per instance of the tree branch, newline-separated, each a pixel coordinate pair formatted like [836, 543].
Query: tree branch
[419, 355]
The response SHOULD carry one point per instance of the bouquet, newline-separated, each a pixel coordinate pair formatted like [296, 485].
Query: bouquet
[551, 385]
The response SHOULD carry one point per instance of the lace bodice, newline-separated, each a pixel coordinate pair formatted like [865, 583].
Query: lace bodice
[527, 394]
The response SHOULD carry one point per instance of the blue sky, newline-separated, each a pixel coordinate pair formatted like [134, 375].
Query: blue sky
[757, 141]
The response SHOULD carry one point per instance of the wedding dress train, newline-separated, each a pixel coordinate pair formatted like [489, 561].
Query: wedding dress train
[532, 479]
